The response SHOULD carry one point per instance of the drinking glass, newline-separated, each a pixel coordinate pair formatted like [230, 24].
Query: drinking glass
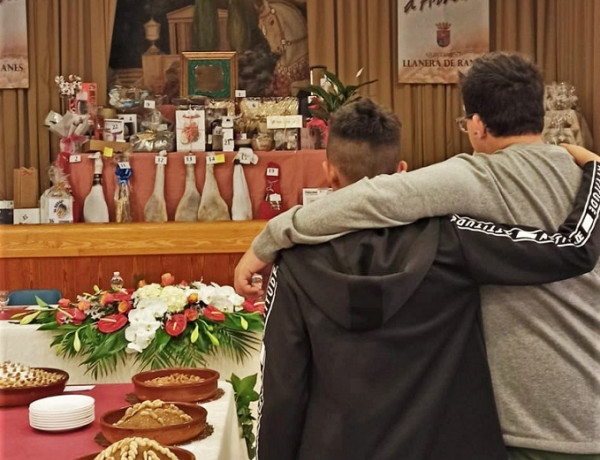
[3, 300]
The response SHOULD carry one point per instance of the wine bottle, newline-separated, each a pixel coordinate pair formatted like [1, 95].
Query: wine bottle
[94, 205]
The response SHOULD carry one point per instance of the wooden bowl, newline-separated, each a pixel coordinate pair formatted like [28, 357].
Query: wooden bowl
[181, 454]
[24, 395]
[189, 392]
[165, 435]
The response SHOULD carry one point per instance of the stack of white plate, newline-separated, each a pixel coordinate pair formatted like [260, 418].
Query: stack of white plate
[59, 413]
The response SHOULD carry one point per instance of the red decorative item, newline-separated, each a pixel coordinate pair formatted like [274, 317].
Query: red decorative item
[272, 204]
[319, 131]
[111, 323]
[176, 325]
[62, 161]
[64, 303]
[166, 279]
[252, 306]
[69, 315]
[213, 313]
[191, 314]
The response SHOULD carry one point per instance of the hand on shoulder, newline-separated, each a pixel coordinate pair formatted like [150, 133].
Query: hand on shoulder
[580, 154]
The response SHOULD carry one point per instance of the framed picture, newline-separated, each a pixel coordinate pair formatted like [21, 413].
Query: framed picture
[211, 74]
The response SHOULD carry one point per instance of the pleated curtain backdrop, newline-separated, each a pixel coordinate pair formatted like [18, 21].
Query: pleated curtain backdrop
[65, 37]
[560, 36]
[73, 36]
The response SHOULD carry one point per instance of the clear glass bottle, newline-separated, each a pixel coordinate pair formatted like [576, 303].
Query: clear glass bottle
[116, 282]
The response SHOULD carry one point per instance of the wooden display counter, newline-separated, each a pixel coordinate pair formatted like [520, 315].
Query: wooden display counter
[75, 257]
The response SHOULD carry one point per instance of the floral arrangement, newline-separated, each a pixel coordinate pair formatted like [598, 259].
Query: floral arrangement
[69, 86]
[68, 89]
[332, 94]
[161, 325]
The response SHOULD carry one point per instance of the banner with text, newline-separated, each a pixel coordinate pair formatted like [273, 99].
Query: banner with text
[14, 64]
[439, 38]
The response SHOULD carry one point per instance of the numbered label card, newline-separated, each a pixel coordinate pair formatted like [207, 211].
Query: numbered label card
[75, 158]
[247, 156]
[189, 159]
[215, 159]
[160, 160]
[124, 165]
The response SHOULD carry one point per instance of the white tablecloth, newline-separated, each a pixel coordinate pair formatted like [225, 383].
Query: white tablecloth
[226, 442]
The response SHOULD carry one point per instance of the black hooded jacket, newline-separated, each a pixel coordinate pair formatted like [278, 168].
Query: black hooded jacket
[373, 345]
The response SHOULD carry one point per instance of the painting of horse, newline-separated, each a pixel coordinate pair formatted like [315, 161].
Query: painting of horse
[285, 29]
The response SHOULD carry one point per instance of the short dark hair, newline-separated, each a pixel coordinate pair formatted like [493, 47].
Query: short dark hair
[507, 91]
[364, 140]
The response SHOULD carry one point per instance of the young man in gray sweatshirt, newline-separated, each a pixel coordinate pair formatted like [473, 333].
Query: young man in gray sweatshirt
[543, 342]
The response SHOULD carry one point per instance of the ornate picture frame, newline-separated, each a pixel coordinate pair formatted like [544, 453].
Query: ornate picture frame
[210, 74]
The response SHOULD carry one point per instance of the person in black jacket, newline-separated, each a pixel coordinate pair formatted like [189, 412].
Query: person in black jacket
[373, 346]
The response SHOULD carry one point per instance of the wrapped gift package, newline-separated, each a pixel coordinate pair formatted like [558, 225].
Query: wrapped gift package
[25, 187]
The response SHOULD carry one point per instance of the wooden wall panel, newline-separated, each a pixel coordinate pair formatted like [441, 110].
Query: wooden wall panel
[74, 275]
[74, 258]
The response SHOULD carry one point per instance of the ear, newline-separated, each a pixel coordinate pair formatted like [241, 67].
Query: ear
[479, 129]
[332, 175]
[402, 166]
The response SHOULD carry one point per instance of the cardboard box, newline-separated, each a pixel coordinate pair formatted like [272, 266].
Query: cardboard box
[26, 216]
[96, 145]
[26, 188]
[6, 211]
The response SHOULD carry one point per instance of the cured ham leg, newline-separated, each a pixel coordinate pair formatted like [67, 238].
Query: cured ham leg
[187, 209]
[241, 206]
[155, 209]
[212, 205]
[94, 205]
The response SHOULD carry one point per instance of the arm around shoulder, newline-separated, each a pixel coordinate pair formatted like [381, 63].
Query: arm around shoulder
[520, 255]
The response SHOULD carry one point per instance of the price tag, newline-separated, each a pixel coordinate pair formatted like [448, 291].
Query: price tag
[74, 158]
[160, 160]
[245, 155]
[107, 152]
[215, 159]
[149, 104]
[240, 93]
[273, 172]
[274, 197]
[124, 165]
[189, 159]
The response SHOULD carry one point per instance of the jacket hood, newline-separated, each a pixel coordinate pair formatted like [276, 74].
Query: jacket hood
[363, 279]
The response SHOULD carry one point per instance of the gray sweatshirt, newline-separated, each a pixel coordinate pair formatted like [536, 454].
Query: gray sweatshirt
[543, 342]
